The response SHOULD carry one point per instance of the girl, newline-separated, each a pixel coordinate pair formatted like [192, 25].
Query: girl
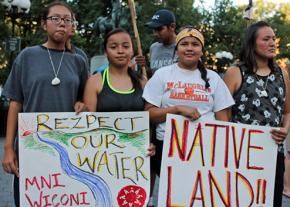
[186, 88]
[44, 78]
[118, 87]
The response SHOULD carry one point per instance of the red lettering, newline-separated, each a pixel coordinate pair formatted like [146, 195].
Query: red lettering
[169, 189]
[258, 190]
[174, 139]
[213, 145]
[247, 185]
[237, 155]
[52, 199]
[46, 182]
[45, 197]
[35, 204]
[264, 191]
[226, 156]
[34, 181]
[83, 201]
[74, 199]
[56, 200]
[169, 184]
[65, 202]
[56, 182]
[197, 139]
[212, 182]
[252, 131]
[170, 85]
[198, 182]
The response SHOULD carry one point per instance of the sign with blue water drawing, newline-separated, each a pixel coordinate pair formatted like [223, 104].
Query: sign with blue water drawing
[90, 159]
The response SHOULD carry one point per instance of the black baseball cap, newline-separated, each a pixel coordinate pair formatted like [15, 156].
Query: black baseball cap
[161, 18]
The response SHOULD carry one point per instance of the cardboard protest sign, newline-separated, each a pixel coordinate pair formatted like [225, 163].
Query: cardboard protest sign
[91, 159]
[216, 164]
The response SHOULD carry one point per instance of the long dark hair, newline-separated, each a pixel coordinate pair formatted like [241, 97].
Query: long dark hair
[203, 71]
[135, 77]
[247, 54]
[47, 7]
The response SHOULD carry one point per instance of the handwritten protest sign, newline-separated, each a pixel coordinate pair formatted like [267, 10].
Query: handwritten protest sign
[216, 164]
[91, 159]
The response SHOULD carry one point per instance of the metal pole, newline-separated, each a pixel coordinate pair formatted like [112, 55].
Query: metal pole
[13, 24]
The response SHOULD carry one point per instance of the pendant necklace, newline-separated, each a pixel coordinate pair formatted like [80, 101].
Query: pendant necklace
[56, 80]
[263, 92]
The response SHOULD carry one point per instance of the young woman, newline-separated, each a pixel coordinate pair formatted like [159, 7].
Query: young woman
[186, 88]
[70, 46]
[261, 91]
[44, 78]
[118, 87]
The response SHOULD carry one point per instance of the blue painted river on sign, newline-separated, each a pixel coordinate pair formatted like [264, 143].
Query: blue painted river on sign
[96, 184]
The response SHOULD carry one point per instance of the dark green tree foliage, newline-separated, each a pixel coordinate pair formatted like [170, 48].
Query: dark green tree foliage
[184, 12]
[30, 29]
[86, 14]
[282, 31]
[4, 33]
[222, 27]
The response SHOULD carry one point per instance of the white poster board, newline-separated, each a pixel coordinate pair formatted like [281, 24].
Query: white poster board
[91, 159]
[216, 164]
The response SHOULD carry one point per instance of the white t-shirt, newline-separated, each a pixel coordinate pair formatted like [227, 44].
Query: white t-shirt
[172, 86]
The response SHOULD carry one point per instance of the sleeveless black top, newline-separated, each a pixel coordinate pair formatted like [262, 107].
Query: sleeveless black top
[113, 100]
[260, 99]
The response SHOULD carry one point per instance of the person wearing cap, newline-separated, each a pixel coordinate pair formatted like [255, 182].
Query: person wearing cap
[185, 88]
[161, 53]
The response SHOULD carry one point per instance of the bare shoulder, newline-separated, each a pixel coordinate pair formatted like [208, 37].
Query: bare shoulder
[285, 74]
[233, 78]
[286, 80]
[95, 82]
[233, 74]
[287, 91]
[233, 71]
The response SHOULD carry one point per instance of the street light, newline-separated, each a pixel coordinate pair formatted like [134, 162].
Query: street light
[22, 5]
[15, 9]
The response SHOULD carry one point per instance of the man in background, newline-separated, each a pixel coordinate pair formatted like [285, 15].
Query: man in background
[162, 52]
[73, 48]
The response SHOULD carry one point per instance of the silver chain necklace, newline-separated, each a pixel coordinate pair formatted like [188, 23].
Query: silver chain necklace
[263, 92]
[56, 80]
